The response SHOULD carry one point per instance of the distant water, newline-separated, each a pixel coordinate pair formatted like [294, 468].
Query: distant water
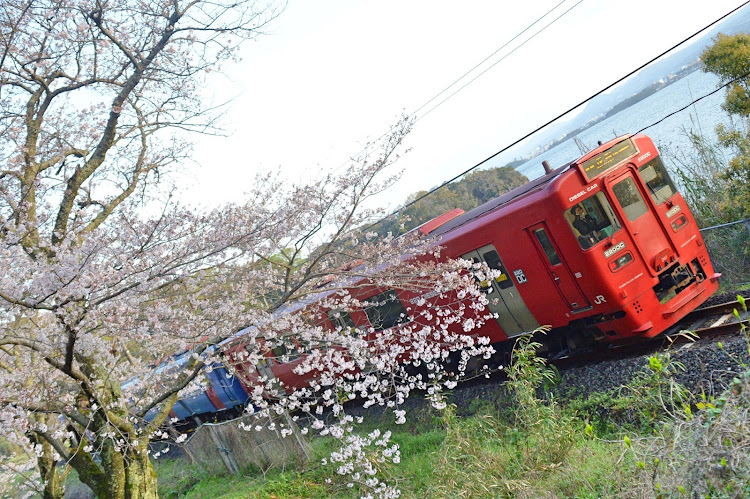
[668, 135]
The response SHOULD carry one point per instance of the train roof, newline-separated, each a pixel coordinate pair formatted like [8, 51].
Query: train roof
[500, 201]
[519, 192]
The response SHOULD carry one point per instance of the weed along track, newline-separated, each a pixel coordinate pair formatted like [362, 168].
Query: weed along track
[712, 353]
[711, 356]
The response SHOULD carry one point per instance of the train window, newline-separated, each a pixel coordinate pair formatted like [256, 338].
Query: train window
[385, 310]
[494, 262]
[592, 220]
[657, 180]
[630, 198]
[283, 354]
[264, 368]
[546, 244]
[484, 286]
[341, 320]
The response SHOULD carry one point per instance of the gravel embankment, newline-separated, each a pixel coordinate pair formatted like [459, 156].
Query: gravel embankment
[707, 367]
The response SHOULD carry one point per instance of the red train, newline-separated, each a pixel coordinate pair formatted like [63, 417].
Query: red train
[603, 249]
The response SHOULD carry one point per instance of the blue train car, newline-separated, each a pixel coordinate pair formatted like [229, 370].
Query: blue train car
[223, 398]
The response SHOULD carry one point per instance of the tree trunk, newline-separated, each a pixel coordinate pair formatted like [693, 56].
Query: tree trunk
[53, 487]
[140, 477]
[129, 476]
[48, 470]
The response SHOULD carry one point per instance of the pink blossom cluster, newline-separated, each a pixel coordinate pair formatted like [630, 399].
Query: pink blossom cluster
[110, 311]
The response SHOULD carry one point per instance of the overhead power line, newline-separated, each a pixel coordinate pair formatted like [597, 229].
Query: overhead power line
[546, 124]
[467, 73]
[527, 28]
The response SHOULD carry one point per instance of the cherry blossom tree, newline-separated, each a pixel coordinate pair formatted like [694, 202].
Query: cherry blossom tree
[95, 97]
[90, 95]
[99, 309]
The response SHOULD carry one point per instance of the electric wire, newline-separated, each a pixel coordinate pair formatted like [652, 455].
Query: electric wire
[546, 124]
[527, 28]
[499, 60]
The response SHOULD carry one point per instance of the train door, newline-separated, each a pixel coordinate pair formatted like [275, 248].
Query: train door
[504, 300]
[648, 233]
[558, 269]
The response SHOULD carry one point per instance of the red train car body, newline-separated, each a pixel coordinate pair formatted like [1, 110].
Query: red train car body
[603, 249]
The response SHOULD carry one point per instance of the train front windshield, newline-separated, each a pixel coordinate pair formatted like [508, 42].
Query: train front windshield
[592, 220]
[657, 180]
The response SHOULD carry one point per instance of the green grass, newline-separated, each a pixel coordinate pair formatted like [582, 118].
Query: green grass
[474, 456]
[418, 450]
[521, 446]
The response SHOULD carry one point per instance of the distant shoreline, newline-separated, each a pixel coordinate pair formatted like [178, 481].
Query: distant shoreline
[620, 106]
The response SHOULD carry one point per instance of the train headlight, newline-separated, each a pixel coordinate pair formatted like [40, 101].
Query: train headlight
[679, 223]
[617, 263]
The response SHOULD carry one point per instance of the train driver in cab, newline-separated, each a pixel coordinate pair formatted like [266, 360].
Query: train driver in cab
[587, 227]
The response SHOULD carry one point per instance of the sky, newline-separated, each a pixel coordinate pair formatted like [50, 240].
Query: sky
[329, 76]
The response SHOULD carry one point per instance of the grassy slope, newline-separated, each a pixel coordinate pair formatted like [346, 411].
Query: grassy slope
[535, 448]
[459, 460]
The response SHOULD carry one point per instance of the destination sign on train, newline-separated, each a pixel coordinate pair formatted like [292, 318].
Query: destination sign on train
[608, 159]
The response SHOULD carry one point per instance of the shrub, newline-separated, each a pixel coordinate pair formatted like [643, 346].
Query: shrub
[703, 455]
[470, 460]
[543, 434]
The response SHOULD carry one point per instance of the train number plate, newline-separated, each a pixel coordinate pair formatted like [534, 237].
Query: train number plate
[520, 276]
[614, 249]
[673, 211]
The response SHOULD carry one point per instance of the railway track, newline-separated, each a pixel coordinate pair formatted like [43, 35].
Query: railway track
[701, 324]
[727, 317]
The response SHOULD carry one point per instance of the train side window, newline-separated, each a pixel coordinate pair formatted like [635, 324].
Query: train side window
[341, 320]
[549, 250]
[494, 262]
[592, 220]
[657, 180]
[283, 354]
[385, 310]
[630, 198]
[264, 368]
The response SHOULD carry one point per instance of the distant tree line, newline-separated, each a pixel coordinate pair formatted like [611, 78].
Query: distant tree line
[714, 174]
[472, 190]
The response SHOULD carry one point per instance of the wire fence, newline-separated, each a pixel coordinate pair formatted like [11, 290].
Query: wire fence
[246, 442]
[729, 248]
